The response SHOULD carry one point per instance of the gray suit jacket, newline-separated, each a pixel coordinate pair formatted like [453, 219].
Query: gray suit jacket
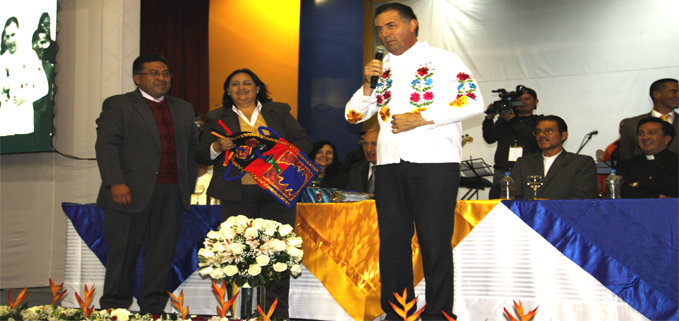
[358, 177]
[571, 176]
[128, 149]
[628, 138]
[277, 117]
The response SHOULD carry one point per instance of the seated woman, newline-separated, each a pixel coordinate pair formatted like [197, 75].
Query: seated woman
[324, 154]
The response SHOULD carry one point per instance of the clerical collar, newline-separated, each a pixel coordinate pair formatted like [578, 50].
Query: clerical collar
[650, 157]
[149, 97]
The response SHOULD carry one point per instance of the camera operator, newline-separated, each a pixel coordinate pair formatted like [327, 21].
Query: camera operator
[513, 130]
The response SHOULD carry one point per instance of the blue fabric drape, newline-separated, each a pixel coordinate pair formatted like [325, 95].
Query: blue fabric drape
[630, 246]
[88, 221]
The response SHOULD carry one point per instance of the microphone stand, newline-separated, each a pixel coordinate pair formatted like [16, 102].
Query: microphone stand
[585, 140]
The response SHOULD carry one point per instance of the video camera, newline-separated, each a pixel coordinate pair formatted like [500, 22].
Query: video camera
[507, 102]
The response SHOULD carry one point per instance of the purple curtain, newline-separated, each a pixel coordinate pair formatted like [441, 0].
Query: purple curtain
[178, 30]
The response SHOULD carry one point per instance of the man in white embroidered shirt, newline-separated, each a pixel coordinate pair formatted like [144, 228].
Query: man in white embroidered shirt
[422, 95]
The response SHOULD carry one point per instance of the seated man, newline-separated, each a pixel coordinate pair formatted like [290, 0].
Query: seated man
[654, 173]
[565, 175]
[361, 174]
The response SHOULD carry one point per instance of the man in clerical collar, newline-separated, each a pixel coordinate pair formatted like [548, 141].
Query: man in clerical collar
[654, 173]
[665, 96]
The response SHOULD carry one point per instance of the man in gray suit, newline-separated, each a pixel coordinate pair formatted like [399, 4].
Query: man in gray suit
[665, 96]
[145, 145]
[565, 175]
[361, 173]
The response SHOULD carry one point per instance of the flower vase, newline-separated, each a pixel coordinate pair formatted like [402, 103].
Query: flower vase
[248, 309]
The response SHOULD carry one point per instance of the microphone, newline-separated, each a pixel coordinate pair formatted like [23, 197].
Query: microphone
[379, 54]
[594, 132]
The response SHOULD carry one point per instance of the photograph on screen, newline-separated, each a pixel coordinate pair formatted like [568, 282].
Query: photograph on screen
[27, 72]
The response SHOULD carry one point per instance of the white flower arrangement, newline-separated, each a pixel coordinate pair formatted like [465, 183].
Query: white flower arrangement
[251, 252]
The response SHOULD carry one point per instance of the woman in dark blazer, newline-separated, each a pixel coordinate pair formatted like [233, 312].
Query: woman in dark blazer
[246, 107]
[324, 154]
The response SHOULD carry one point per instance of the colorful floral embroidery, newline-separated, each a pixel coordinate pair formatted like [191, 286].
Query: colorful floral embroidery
[422, 86]
[385, 113]
[354, 117]
[383, 94]
[465, 90]
[459, 102]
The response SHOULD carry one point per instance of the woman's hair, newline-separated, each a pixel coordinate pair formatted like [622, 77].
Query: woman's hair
[262, 95]
[10, 20]
[336, 166]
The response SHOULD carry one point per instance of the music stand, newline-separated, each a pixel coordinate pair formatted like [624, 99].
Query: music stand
[472, 172]
[604, 167]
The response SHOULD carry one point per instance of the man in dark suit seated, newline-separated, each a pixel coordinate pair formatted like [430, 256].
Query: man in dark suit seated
[361, 174]
[145, 145]
[655, 173]
[565, 175]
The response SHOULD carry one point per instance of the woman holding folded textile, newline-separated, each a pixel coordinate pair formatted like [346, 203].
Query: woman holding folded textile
[246, 107]
[324, 154]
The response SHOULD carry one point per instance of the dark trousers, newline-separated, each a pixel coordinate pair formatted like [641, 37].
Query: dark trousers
[258, 203]
[157, 227]
[423, 194]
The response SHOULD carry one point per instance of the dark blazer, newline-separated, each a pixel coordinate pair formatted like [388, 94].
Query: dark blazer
[277, 117]
[358, 177]
[128, 149]
[571, 176]
[629, 145]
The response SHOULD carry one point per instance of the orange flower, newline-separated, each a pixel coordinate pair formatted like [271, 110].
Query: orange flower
[385, 113]
[519, 311]
[55, 291]
[459, 102]
[267, 317]
[178, 303]
[219, 292]
[419, 110]
[89, 294]
[406, 307]
[354, 117]
[20, 297]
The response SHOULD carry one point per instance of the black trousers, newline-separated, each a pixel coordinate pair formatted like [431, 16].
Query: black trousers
[258, 203]
[157, 227]
[422, 197]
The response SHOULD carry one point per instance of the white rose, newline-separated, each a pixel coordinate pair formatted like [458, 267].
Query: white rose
[230, 270]
[295, 270]
[205, 271]
[280, 267]
[285, 229]
[258, 223]
[217, 274]
[251, 233]
[242, 220]
[262, 260]
[205, 253]
[295, 241]
[218, 247]
[213, 235]
[279, 245]
[254, 270]
[231, 221]
[121, 314]
[295, 252]
[270, 230]
[236, 248]
[227, 234]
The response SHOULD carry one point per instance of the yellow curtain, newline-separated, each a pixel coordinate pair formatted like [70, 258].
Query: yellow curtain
[341, 248]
